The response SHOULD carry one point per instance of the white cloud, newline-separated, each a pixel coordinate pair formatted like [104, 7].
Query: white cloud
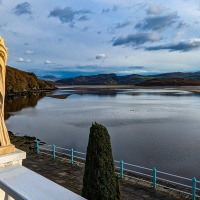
[28, 52]
[48, 62]
[28, 60]
[101, 56]
[22, 60]
[154, 10]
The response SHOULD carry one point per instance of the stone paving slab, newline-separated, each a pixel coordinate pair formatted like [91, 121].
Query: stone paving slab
[70, 176]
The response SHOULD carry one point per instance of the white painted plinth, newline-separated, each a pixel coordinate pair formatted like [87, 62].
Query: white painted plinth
[12, 158]
[6, 161]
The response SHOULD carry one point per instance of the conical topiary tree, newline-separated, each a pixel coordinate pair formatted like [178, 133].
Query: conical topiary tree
[100, 181]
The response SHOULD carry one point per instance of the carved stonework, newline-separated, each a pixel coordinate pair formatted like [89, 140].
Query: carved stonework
[5, 145]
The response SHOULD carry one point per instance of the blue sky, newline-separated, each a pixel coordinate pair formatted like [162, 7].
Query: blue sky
[74, 37]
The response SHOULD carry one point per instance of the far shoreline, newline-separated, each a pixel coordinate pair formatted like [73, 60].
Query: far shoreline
[194, 89]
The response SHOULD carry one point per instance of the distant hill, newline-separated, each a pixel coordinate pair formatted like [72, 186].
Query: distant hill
[103, 79]
[174, 78]
[48, 78]
[20, 81]
[187, 75]
[131, 79]
[170, 82]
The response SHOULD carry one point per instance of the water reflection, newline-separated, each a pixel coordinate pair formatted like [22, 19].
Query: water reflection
[14, 104]
[92, 91]
[133, 92]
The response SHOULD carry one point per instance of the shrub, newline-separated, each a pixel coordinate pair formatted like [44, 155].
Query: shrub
[100, 181]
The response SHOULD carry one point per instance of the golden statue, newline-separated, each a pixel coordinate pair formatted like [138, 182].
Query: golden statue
[5, 145]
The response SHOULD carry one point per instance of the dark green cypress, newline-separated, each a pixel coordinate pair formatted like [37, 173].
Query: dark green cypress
[100, 181]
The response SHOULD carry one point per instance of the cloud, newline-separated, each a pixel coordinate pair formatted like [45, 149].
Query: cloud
[154, 10]
[157, 22]
[101, 56]
[181, 30]
[28, 52]
[182, 25]
[22, 8]
[138, 67]
[136, 39]
[183, 46]
[3, 26]
[48, 62]
[85, 28]
[68, 15]
[83, 18]
[22, 60]
[113, 9]
[124, 24]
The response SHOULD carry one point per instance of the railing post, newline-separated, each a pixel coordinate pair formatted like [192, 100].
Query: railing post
[72, 156]
[194, 182]
[154, 178]
[53, 151]
[37, 146]
[121, 169]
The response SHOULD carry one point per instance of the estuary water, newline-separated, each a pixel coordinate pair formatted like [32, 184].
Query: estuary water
[150, 128]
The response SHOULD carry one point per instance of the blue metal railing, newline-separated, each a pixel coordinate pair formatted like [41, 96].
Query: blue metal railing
[152, 176]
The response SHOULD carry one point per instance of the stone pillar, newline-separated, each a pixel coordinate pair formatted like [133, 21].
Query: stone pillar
[5, 145]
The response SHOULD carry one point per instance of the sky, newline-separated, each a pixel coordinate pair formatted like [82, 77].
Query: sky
[71, 37]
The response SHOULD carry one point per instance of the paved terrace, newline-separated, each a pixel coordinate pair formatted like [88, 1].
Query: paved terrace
[70, 176]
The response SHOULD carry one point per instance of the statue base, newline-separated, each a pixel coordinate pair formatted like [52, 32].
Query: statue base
[7, 149]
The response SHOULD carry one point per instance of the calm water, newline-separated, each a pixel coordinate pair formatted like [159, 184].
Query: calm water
[148, 127]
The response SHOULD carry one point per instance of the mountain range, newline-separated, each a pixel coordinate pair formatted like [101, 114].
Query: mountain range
[20, 81]
[171, 79]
